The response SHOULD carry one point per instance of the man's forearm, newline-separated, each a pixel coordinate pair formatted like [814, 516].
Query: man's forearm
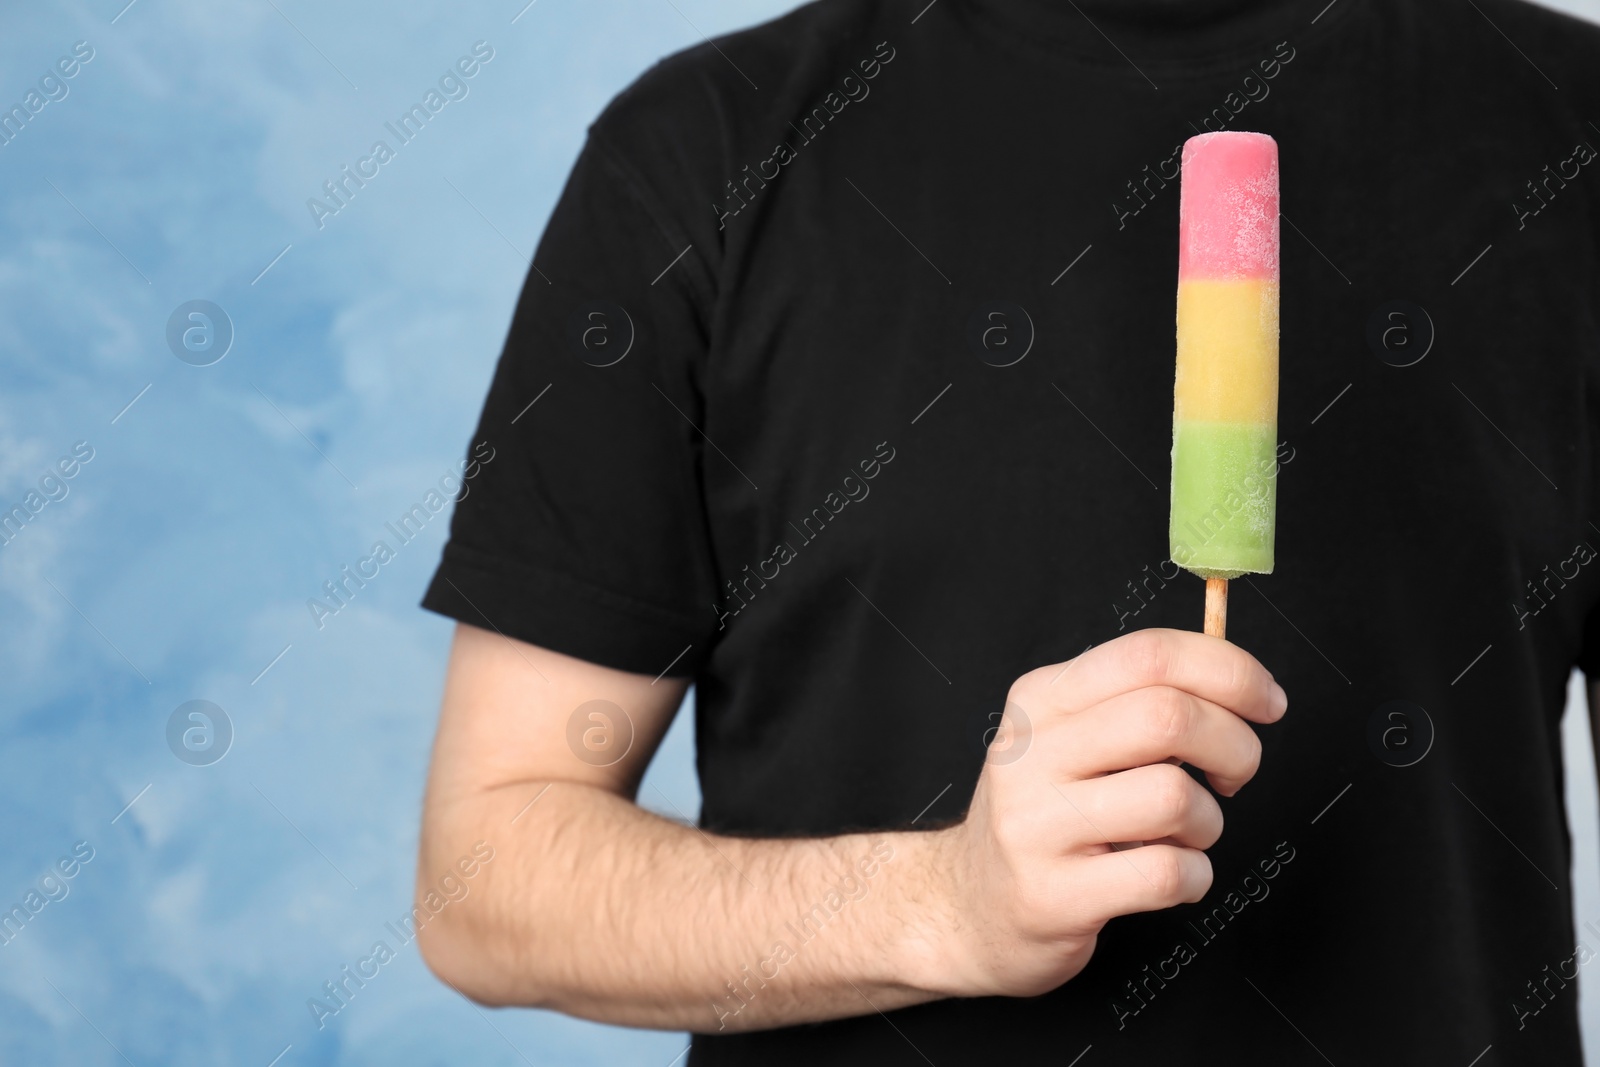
[599, 909]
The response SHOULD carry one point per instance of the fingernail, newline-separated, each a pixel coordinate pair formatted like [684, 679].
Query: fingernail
[1280, 701]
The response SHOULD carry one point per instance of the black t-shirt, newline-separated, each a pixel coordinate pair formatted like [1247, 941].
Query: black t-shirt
[844, 386]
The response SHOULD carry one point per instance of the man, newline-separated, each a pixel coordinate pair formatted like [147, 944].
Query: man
[842, 389]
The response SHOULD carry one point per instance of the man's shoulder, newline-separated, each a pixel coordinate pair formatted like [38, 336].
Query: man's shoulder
[1542, 34]
[730, 84]
[1557, 25]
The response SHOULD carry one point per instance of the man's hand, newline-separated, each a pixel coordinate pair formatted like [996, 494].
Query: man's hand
[1085, 815]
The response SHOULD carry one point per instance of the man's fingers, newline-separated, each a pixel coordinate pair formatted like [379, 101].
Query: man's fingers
[1208, 667]
[1147, 878]
[1144, 804]
[1154, 725]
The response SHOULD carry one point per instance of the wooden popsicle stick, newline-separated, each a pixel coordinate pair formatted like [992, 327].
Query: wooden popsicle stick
[1217, 607]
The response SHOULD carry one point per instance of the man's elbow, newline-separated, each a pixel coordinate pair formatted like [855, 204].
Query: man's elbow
[460, 955]
[462, 928]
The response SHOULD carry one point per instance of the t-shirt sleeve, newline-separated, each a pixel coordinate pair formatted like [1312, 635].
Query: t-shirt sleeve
[582, 525]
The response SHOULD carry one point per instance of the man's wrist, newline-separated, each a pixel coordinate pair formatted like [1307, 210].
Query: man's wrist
[924, 926]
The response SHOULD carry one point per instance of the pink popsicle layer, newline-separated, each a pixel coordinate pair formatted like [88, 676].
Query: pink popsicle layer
[1228, 207]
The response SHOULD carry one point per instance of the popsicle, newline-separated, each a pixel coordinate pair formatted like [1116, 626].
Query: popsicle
[1225, 393]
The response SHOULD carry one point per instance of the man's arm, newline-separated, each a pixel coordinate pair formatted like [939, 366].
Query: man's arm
[597, 908]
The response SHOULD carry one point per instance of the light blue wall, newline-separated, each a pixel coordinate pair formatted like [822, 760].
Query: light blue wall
[226, 495]
[178, 564]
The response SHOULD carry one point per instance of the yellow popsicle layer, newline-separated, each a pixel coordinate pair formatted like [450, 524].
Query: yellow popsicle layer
[1227, 351]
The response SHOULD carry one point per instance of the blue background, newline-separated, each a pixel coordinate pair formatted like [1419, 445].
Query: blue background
[179, 563]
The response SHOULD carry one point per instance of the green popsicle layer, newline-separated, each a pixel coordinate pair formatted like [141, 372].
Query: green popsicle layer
[1224, 497]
